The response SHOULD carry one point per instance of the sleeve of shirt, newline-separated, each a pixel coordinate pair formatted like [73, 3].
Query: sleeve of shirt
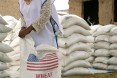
[44, 18]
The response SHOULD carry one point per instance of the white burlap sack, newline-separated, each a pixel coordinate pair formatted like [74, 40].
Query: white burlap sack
[13, 53]
[113, 31]
[8, 38]
[17, 27]
[112, 67]
[90, 39]
[102, 45]
[2, 36]
[78, 47]
[113, 46]
[13, 74]
[3, 74]
[90, 59]
[112, 61]
[4, 57]
[102, 52]
[5, 48]
[69, 20]
[75, 29]
[13, 71]
[13, 68]
[98, 71]
[3, 66]
[61, 57]
[61, 42]
[2, 21]
[100, 65]
[78, 55]
[15, 57]
[113, 39]
[75, 38]
[101, 60]
[63, 51]
[35, 64]
[113, 53]
[103, 30]
[14, 63]
[102, 38]
[93, 51]
[45, 47]
[4, 29]
[9, 18]
[15, 42]
[91, 45]
[63, 61]
[77, 63]
[16, 48]
[77, 71]
[7, 42]
[14, 34]
[94, 28]
[11, 24]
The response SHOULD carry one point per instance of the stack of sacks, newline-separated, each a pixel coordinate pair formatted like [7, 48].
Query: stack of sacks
[74, 45]
[15, 57]
[12, 40]
[93, 29]
[11, 21]
[4, 48]
[113, 49]
[15, 38]
[102, 46]
[13, 72]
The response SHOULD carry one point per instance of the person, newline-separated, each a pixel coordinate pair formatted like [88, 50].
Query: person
[39, 19]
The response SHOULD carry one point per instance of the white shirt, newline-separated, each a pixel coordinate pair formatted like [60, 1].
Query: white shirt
[30, 13]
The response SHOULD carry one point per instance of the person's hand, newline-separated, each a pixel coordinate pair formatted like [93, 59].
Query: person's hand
[24, 31]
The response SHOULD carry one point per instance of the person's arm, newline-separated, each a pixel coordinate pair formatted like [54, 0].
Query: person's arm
[24, 31]
[40, 23]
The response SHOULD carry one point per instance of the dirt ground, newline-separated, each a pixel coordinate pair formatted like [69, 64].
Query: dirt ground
[107, 75]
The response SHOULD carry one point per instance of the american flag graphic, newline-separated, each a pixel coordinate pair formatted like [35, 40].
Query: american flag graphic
[49, 62]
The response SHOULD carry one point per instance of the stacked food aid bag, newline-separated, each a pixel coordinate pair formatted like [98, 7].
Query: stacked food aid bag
[4, 48]
[75, 45]
[102, 46]
[12, 40]
[112, 64]
[42, 62]
[92, 31]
